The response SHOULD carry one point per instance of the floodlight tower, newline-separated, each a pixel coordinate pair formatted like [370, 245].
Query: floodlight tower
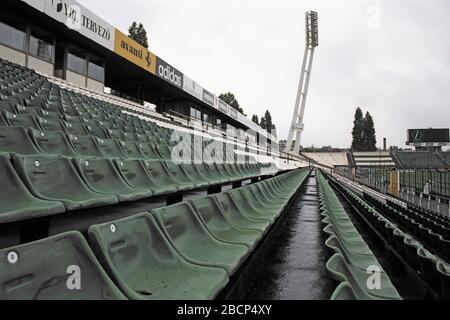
[312, 41]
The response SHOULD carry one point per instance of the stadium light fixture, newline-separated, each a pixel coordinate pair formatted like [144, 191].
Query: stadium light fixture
[312, 41]
[312, 29]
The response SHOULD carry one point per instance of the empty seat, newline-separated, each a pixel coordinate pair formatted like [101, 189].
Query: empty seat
[259, 201]
[251, 207]
[55, 178]
[112, 148]
[357, 278]
[101, 176]
[232, 210]
[211, 214]
[134, 172]
[99, 132]
[16, 202]
[57, 268]
[52, 125]
[3, 122]
[204, 172]
[144, 264]
[194, 174]
[181, 177]
[192, 240]
[23, 120]
[53, 143]
[77, 129]
[132, 150]
[8, 107]
[164, 152]
[219, 176]
[86, 146]
[162, 177]
[17, 140]
[149, 152]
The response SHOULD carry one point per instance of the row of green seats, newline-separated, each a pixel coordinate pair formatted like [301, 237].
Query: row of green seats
[184, 251]
[433, 270]
[36, 185]
[353, 264]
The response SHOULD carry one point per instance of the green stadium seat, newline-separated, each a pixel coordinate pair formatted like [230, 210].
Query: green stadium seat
[236, 215]
[260, 202]
[145, 265]
[193, 242]
[56, 179]
[218, 175]
[3, 122]
[52, 125]
[86, 146]
[54, 107]
[132, 150]
[51, 115]
[212, 216]
[344, 292]
[16, 202]
[101, 176]
[111, 148]
[17, 140]
[100, 133]
[8, 107]
[224, 171]
[162, 177]
[115, 134]
[180, 176]
[207, 175]
[37, 113]
[135, 173]
[164, 152]
[194, 175]
[357, 278]
[251, 207]
[149, 152]
[24, 120]
[78, 130]
[53, 143]
[277, 200]
[46, 270]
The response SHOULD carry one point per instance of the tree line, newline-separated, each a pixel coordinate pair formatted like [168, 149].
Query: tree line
[363, 133]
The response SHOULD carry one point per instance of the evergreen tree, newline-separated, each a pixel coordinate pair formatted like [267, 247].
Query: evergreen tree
[255, 119]
[231, 100]
[138, 33]
[263, 123]
[358, 131]
[370, 138]
[269, 124]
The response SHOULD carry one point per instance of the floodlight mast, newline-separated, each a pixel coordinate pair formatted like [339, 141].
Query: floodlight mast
[312, 41]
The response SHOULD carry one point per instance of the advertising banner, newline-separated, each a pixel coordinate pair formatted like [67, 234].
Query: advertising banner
[134, 52]
[191, 87]
[208, 97]
[223, 106]
[167, 72]
[78, 18]
[233, 113]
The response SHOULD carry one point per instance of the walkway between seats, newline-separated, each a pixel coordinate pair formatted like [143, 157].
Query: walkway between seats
[294, 268]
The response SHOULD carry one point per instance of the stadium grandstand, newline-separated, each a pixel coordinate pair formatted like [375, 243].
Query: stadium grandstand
[121, 178]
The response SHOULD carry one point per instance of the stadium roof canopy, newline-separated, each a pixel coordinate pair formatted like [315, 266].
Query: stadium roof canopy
[129, 67]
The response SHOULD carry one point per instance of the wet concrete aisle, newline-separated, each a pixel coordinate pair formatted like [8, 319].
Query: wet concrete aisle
[294, 268]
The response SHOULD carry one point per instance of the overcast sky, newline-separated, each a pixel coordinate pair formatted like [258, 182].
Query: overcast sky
[390, 57]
